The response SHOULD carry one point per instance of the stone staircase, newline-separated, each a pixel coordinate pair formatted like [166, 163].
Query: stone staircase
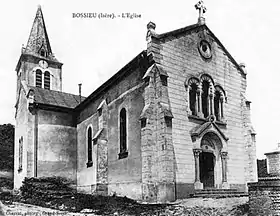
[218, 193]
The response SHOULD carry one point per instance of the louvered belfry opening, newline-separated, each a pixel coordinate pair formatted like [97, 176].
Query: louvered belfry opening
[47, 80]
[38, 78]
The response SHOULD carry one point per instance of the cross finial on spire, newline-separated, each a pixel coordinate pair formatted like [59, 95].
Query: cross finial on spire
[202, 9]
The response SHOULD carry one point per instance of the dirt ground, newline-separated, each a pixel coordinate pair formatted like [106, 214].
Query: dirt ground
[193, 206]
[21, 209]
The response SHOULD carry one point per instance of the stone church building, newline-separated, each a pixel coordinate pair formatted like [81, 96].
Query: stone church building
[173, 120]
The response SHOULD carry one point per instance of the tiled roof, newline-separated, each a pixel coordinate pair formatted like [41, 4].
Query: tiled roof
[55, 98]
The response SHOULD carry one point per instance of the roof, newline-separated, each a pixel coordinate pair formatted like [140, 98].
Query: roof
[55, 98]
[38, 36]
[38, 40]
[112, 80]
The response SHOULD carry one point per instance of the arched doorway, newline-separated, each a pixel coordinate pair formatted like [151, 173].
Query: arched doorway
[209, 160]
[207, 166]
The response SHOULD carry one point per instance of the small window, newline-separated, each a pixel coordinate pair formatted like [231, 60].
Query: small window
[123, 134]
[38, 78]
[168, 121]
[20, 154]
[89, 146]
[100, 112]
[147, 80]
[143, 122]
[47, 80]
[163, 80]
[253, 137]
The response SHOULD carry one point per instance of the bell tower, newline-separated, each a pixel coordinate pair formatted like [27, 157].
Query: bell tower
[37, 66]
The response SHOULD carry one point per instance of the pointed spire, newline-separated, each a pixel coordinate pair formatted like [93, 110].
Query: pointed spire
[38, 42]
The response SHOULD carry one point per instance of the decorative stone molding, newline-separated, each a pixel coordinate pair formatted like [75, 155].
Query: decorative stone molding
[224, 155]
[210, 126]
[196, 105]
[204, 49]
[151, 27]
[196, 152]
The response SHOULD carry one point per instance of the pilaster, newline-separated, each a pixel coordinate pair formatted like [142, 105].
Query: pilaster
[197, 183]
[225, 184]
[156, 139]
[101, 140]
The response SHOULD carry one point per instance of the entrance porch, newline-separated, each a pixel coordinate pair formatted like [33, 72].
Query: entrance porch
[210, 163]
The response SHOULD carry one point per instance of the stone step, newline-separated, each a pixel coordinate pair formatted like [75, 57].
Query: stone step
[215, 189]
[218, 193]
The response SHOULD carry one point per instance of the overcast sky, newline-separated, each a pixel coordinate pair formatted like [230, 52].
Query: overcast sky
[92, 50]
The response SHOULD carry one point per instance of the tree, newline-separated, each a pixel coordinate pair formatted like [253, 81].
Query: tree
[7, 147]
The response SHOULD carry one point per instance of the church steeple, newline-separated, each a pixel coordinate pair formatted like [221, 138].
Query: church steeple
[38, 42]
[37, 65]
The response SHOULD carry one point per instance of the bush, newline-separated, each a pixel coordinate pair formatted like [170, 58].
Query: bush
[46, 188]
[6, 183]
[56, 192]
[261, 205]
[7, 147]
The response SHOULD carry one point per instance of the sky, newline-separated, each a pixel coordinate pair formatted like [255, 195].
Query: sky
[92, 50]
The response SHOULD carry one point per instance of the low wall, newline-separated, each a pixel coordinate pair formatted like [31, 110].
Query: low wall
[264, 196]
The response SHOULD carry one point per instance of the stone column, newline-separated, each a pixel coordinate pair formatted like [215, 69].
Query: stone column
[211, 99]
[197, 183]
[199, 100]
[188, 99]
[224, 170]
[196, 106]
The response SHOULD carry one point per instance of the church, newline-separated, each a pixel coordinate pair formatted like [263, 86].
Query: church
[174, 120]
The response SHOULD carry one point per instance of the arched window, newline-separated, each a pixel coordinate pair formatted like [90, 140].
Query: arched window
[217, 99]
[20, 154]
[219, 102]
[205, 98]
[38, 78]
[89, 146]
[123, 142]
[47, 80]
[192, 98]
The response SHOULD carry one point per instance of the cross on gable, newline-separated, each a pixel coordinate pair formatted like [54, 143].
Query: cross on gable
[201, 7]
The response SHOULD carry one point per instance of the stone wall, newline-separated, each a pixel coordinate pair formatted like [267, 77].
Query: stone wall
[264, 196]
[86, 176]
[21, 131]
[57, 147]
[273, 163]
[181, 59]
[158, 176]
[111, 174]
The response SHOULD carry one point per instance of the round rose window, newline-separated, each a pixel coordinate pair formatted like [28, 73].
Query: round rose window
[205, 49]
